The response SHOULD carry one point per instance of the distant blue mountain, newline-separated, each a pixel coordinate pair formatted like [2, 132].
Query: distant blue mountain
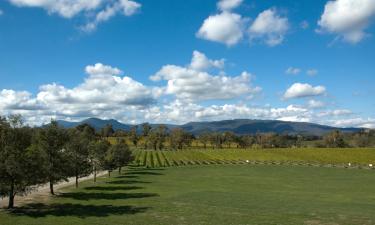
[96, 123]
[246, 126]
[238, 126]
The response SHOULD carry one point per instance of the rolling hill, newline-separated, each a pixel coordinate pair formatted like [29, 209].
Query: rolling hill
[238, 126]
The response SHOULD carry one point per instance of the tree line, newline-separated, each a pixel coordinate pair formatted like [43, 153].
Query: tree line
[34, 156]
[160, 138]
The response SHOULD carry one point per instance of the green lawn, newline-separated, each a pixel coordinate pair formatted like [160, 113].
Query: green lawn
[215, 194]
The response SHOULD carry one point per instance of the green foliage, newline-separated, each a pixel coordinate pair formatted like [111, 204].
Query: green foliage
[51, 141]
[107, 131]
[134, 136]
[335, 139]
[97, 154]
[20, 165]
[157, 137]
[118, 156]
[77, 150]
[179, 139]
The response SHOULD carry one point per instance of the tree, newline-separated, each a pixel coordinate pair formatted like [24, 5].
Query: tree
[119, 155]
[51, 140]
[146, 129]
[157, 136]
[78, 151]
[245, 141]
[216, 140]
[362, 139]
[107, 131]
[19, 164]
[204, 138]
[97, 153]
[120, 133]
[133, 135]
[180, 138]
[229, 138]
[334, 139]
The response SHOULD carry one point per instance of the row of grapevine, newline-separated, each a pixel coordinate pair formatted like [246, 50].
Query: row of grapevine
[151, 159]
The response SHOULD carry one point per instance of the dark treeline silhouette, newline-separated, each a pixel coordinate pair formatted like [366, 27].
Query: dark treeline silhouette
[50, 154]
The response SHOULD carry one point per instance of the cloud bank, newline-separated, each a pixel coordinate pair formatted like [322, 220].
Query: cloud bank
[95, 11]
[179, 94]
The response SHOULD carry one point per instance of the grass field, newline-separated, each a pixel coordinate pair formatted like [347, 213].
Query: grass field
[212, 194]
[318, 157]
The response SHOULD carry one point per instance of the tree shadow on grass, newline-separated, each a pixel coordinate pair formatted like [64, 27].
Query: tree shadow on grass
[127, 176]
[108, 196]
[113, 188]
[144, 168]
[77, 210]
[144, 173]
[128, 182]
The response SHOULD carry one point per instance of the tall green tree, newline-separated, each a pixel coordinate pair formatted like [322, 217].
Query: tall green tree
[133, 135]
[78, 151]
[204, 139]
[97, 153]
[119, 155]
[20, 165]
[245, 141]
[107, 131]
[216, 140]
[146, 129]
[335, 139]
[51, 140]
[179, 138]
[229, 138]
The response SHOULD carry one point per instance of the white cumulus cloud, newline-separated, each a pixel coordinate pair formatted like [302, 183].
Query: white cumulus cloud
[355, 122]
[270, 27]
[226, 5]
[226, 28]
[299, 90]
[193, 83]
[347, 18]
[315, 104]
[200, 62]
[104, 93]
[65, 8]
[100, 10]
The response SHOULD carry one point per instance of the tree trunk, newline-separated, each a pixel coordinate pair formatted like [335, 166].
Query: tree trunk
[51, 187]
[119, 170]
[11, 196]
[94, 174]
[109, 173]
[76, 181]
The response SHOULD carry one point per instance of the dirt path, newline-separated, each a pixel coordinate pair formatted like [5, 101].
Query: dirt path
[41, 194]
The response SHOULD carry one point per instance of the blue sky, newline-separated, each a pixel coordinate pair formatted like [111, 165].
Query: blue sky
[132, 60]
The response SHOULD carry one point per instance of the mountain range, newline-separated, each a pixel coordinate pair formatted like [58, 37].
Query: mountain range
[238, 126]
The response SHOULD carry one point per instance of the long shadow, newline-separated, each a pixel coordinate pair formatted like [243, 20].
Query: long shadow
[78, 210]
[108, 196]
[145, 169]
[113, 188]
[144, 173]
[128, 182]
[127, 176]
